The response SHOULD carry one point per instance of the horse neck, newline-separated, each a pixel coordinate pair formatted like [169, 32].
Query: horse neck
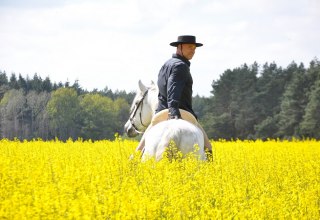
[150, 106]
[153, 100]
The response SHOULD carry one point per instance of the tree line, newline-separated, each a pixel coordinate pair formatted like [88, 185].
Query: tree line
[250, 102]
[247, 102]
[37, 108]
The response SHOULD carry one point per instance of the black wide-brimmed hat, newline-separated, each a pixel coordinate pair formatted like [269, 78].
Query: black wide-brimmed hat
[186, 39]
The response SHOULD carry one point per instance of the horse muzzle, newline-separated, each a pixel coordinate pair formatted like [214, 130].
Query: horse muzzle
[130, 130]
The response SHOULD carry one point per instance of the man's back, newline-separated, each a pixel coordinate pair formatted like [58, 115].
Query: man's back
[175, 86]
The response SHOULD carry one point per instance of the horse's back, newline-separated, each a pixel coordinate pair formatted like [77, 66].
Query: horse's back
[184, 134]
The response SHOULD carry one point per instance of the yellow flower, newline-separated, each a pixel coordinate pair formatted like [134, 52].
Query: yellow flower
[97, 180]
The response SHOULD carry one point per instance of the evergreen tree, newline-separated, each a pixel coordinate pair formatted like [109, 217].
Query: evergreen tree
[47, 85]
[217, 121]
[23, 83]
[310, 125]
[243, 95]
[198, 105]
[36, 83]
[4, 84]
[77, 87]
[293, 103]
[269, 91]
[13, 83]
[3, 78]
[232, 114]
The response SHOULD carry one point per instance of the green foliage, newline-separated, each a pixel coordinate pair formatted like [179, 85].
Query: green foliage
[267, 128]
[310, 125]
[3, 78]
[63, 109]
[232, 113]
[12, 108]
[121, 108]
[274, 103]
[97, 116]
[219, 127]
[247, 102]
[293, 103]
[24, 116]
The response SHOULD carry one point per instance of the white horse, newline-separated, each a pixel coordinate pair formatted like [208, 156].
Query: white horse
[186, 136]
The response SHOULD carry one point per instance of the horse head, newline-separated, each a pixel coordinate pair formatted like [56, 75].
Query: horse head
[142, 109]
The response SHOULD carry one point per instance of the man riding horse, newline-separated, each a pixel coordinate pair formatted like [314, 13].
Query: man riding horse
[175, 88]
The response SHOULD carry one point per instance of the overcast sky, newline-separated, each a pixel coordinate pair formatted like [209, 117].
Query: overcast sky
[114, 43]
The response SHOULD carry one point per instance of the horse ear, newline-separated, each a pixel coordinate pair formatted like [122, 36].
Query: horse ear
[142, 87]
[152, 83]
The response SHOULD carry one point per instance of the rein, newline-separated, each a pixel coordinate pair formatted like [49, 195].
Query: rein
[132, 115]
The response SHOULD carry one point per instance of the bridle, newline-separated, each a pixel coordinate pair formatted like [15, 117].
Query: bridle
[134, 112]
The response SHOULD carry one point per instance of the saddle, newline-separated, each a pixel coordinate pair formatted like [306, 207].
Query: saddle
[164, 115]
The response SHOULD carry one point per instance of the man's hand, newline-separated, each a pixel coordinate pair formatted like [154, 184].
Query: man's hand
[174, 117]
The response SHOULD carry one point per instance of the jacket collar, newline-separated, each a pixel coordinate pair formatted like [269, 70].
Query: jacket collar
[181, 58]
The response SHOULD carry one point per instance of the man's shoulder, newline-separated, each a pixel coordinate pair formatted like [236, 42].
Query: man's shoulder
[175, 62]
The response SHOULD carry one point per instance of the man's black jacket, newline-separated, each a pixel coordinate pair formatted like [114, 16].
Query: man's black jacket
[175, 86]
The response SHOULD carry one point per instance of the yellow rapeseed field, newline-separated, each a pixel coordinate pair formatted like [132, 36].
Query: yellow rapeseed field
[96, 180]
